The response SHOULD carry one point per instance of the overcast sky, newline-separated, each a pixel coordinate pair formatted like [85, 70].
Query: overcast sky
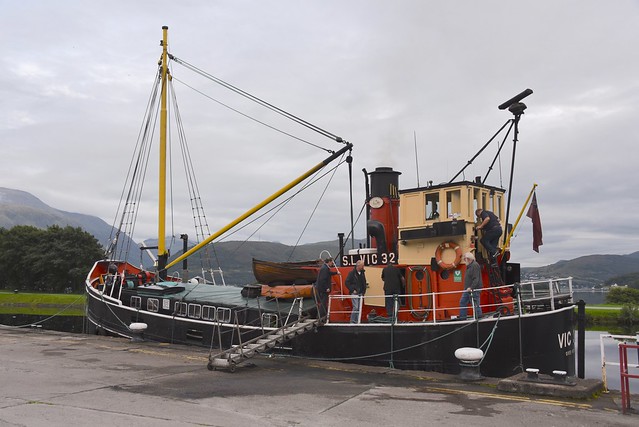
[76, 76]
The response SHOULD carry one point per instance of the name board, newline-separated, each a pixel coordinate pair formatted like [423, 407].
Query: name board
[370, 259]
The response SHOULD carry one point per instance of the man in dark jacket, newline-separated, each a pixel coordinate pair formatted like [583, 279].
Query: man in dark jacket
[323, 286]
[491, 227]
[393, 281]
[472, 287]
[356, 284]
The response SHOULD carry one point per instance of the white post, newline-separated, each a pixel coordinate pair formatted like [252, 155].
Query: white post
[603, 363]
[434, 308]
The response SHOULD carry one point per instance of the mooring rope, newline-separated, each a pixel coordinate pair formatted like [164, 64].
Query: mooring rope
[386, 352]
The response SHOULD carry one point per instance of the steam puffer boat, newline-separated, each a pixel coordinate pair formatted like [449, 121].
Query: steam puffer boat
[422, 231]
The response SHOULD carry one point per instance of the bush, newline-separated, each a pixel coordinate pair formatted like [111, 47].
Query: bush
[629, 315]
[619, 295]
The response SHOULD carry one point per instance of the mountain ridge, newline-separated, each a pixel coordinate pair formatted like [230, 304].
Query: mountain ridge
[18, 207]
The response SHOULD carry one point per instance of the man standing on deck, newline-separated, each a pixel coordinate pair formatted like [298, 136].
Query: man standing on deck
[393, 281]
[356, 284]
[322, 286]
[492, 232]
[472, 287]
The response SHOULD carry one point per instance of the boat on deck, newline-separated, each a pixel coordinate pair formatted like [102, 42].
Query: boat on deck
[287, 292]
[286, 273]
[423, 231]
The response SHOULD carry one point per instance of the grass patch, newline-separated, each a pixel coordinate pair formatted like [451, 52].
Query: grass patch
[602, 315]
[42, 304]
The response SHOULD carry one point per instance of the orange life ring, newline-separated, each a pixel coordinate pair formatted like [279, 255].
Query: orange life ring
[440, 250]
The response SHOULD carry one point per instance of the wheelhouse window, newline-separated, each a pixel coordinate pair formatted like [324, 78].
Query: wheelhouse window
[181, 309]
[432, 206]
[479, 199]
[153, 304]
[495, 200]
[453, 203]
[195, 311]
[208, 312]
[223, 314]
[269, 320]
[136, 302]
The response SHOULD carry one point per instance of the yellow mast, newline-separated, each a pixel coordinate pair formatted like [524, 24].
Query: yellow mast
[162, 252]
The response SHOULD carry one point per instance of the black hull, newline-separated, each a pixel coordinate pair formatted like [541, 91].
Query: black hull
[114, 319]
[547, 343]
[546, 339]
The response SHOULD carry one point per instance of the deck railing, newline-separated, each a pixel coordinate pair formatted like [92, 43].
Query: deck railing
[530, 296]
[549, 291]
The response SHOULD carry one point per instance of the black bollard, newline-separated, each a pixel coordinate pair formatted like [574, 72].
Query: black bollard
[581, 328]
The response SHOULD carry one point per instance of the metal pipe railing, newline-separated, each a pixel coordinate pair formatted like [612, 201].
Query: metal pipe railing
[625, 376]
[604, 362]
[528, 292]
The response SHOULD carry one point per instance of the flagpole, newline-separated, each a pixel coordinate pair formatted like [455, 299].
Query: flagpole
[519, 217]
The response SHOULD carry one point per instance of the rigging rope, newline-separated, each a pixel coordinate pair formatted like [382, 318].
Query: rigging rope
[252, 118]
[489, 339]
[277, 208]
[135, 179]
[257, 100]
[199, 217]
[130, 202]
[314, 210]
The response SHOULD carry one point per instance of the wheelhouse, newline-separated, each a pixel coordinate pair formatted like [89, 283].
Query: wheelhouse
[435, 215]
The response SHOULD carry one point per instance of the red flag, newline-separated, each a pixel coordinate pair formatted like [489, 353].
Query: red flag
[533, 213]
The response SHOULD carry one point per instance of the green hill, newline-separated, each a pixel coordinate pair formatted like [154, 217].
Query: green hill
[588, 271]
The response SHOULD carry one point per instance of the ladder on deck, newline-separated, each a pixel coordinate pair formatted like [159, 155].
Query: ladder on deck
[230, 358]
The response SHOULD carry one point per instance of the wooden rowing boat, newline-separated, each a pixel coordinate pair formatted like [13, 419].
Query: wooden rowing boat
[285, 273]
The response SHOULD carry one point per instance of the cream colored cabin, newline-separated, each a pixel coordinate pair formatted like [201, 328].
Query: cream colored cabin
[430, 216]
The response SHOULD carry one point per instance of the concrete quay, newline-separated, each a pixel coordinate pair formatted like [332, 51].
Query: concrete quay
[60, 379]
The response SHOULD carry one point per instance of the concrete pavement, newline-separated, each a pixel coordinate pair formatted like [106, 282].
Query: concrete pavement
[54, 379]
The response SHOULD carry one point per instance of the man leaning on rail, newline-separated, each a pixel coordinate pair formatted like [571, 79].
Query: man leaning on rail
[472, 287]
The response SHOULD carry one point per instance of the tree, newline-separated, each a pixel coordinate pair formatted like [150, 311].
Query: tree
[620, 295]
[629, 315]
[49, 260]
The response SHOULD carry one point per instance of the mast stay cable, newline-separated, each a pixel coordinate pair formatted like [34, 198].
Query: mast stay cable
[134, 181]
[259, 100]
[252, 118]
